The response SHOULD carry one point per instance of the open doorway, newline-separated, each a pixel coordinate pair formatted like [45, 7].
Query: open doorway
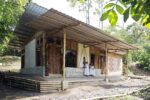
[39, 57]
[71, 59]
[92, 59]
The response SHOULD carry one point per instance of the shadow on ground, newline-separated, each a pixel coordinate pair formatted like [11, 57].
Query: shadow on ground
[7, 93]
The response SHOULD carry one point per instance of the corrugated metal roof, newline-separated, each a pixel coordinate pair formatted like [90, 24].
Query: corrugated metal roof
[22, 31]
[37, 19]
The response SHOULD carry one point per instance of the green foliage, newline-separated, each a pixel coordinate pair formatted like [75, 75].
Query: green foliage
[127, 59]
[133, 34]
[111, 13]
[10, 11]
[143, 58]
[126, 15]
[138, 9]
[139, 36]
[109, 5]
[119, 9]
[104, 16]
[112, 17]
[82, 1]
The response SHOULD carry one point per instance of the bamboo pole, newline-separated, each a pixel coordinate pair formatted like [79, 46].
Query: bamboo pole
[64, 52]
[106, 63]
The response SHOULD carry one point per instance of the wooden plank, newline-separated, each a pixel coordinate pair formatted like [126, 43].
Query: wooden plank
[45, 82]
[47, 88]
[21, 83]
[73, 45]
[51, 85]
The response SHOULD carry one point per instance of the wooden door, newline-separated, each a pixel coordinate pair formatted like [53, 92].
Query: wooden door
[54, 59]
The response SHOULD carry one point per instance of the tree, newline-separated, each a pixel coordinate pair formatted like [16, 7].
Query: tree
[10, 11]
[138, 35]
[84, 6]
[137, 9]
[133, 34]
[98, 11]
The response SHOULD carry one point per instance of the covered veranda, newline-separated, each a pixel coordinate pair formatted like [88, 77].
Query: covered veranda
[56, 24]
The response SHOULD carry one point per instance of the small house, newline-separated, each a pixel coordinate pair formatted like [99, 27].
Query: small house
[54, 44]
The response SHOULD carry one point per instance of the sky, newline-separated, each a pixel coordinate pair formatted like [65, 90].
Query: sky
[64, 7]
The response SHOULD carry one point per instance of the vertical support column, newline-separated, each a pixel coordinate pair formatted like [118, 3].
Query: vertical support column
[106, 63]
[127, 64]
[43, 53]
[64, 53]
[64, 83]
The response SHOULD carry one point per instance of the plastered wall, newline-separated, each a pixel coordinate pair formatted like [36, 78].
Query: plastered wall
[30, 55]
[82, 52]
[115, 64]
[30, 60]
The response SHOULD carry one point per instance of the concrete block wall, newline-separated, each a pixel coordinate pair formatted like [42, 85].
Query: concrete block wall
[39, 71]
[30, 54]
[30, 60]
[78, 72]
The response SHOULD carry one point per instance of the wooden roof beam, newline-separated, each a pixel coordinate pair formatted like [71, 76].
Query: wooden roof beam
[92, 45]
[111, 41]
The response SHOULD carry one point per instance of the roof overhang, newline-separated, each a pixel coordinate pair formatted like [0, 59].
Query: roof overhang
[55, 21]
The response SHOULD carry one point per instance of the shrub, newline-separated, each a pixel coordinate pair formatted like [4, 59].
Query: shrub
[143, 58]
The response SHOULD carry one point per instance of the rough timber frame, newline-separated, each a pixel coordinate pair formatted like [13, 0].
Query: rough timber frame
[64, 52]
[106, 63]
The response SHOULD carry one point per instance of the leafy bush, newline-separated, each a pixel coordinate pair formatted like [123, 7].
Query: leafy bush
[4, 51]
[143, 59]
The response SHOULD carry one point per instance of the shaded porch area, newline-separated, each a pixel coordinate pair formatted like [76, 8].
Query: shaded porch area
[49, 84]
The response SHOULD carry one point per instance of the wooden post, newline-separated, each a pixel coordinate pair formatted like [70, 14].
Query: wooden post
[64, 53]
[106, 63]
[43, 53]
[127, 64]
[64, 83]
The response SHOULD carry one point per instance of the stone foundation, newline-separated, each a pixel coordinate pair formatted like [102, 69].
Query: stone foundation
[33, 71]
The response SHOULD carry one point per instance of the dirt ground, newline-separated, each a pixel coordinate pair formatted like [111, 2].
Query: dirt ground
[81, 92]
[137, 71]
[141, 95]
[85, 92]
[7, 93]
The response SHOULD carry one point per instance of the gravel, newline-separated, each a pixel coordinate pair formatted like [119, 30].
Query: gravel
[96, 92]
